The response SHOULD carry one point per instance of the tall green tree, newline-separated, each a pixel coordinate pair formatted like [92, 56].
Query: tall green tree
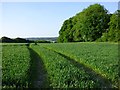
[114, 29]
[93, 22]
[65, 31]
[87, 25]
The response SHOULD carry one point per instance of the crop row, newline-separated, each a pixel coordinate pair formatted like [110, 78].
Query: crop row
[101, 57]
[15, 66]
[62, 73]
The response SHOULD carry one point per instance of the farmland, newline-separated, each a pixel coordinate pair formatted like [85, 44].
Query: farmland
[15, 66]
[60, 65]
[103, 58]
[62, 73]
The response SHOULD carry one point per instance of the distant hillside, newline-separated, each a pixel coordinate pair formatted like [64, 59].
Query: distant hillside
[43, 38]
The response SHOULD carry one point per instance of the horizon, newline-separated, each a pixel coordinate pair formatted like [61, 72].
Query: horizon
[33, 19]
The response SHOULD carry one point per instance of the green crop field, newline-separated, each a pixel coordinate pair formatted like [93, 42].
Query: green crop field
[61, 65]
[101, 57]
[15, 66]
[61, 73]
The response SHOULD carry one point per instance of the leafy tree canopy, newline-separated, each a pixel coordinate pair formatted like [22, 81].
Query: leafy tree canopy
[88, 25]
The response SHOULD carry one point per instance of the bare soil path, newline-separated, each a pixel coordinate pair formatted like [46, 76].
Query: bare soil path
[39, 78]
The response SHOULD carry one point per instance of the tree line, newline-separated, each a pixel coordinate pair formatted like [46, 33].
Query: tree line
[16, 40]
[21, 40]
[94, 23]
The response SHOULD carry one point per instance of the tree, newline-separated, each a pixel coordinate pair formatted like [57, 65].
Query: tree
[93, 22]
[88, 25]
[114, 28]
[16, 40]
[20, 40]
[65, 31]
[6, 40]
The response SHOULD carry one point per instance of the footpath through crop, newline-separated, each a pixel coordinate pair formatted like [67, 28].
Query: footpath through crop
[100, 57]
[66, 72]
[37, 71]
[57, 66]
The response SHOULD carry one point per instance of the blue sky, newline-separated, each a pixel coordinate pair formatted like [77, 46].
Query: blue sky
[40, 19]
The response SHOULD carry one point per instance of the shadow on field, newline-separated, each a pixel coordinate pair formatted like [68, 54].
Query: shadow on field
[101, 81]
[37, 71]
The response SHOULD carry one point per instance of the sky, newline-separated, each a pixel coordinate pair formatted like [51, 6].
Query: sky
[40, 19]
